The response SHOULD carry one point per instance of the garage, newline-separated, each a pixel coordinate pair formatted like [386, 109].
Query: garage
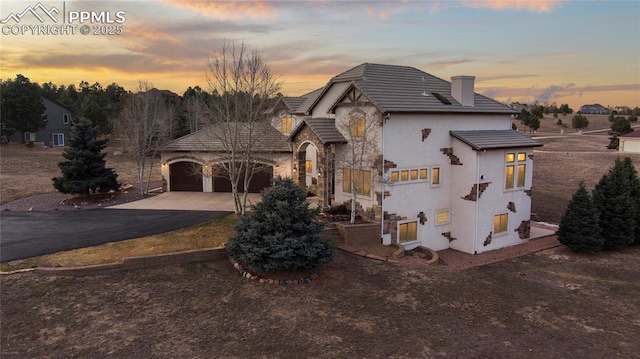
[185, 176]
[260, 180]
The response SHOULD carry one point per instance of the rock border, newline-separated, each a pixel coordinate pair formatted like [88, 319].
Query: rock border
[248, 275]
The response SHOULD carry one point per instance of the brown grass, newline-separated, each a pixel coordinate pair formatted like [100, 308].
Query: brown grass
[25, 172]
[210, 234]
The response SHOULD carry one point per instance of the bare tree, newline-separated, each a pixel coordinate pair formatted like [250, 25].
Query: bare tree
[358, 157]
[240, 115]
[144, 124]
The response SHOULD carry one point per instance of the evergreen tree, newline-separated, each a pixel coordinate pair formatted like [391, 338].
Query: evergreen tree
[613, 196]
[632, 176]
[84, 170]
[21, 106]
[579, 228]
[280, 232]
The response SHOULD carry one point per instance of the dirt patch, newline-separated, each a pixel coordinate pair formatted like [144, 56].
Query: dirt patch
[551, 304]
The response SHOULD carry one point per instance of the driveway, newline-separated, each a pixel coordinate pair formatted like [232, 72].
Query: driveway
[29, 234]
[188, 201]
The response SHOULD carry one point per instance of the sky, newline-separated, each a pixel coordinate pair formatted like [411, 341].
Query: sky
[575, 52]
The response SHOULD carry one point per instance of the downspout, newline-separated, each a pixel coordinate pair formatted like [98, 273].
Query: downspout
[382, 182]
[475, 242]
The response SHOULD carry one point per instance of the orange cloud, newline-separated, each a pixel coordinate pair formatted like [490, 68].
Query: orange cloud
[563, 56]
[228, 10]
[531, 5]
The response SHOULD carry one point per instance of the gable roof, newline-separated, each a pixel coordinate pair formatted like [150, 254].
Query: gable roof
[393, 88]
[324, 128]
[494, 139]
[634, 134]
[212, 139]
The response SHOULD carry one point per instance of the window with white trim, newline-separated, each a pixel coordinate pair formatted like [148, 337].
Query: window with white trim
[407, 232]
[500, 223]
[58, 139]
[29, 137]
[361, 181]
[286, 124]
[515, 170]
[442, 216]
[435, 176]
[409, 175]
[65, 119]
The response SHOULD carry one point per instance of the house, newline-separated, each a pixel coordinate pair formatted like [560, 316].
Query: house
[58, 127]
[596, 109]
[630, 142]
[431, 161]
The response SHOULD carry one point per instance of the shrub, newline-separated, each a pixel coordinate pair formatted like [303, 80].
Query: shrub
[579, 228]
[616, 198]
[280, 232]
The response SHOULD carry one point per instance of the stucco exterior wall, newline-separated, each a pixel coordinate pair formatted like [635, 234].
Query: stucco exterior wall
[631, 145]
[423, 141]
[321, 109]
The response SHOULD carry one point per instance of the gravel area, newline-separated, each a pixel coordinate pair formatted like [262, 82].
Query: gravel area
[54, 201]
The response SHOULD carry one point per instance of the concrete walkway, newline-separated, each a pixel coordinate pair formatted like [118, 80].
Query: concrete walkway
[187, 201]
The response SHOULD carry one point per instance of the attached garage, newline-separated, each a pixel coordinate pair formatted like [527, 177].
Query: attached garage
[260, 180]
[185, 176]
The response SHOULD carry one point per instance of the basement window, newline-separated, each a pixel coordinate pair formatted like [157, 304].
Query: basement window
[408, 232]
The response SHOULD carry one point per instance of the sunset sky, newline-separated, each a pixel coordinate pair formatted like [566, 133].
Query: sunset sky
[574, 52]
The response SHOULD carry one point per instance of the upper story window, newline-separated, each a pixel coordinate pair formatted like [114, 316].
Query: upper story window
[286, 124]
[515, 170]
[435, 176]
[65, 119]
[356, 126]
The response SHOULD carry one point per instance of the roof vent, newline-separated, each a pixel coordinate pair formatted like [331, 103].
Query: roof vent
[425, 93]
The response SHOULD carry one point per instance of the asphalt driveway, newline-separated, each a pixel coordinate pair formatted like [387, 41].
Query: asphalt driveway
[29, 234]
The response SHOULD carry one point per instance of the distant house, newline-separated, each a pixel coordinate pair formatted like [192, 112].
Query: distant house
[595, 109]
[630, 142]
[622, 110]
[446, 169]
[58, 127]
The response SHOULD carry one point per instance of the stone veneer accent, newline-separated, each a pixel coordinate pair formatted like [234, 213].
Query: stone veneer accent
[512, 207]
[453, 158]
[476, 191]
[447, 235]
[304, 135]
[423, 218]
[425, 133]
[524, 229]
[487, 241]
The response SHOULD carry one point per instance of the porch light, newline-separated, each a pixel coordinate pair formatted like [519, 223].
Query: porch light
[295, 168]
[320, 172]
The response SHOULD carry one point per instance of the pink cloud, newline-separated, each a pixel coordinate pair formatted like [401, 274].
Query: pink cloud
[228, 10]
[530, 5]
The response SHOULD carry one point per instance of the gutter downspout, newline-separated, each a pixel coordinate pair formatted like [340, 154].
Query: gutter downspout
[475, 241]
[382, 182]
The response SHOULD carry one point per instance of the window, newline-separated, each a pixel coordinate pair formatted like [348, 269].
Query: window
[442, 216]
[58, 139]
[404, 175]
[361, 180]
[356, 126]
[408, 232]
[435, 175]
[29, 137]
[515, 170]
[414, 174]
[500, 222]
[423, 173]
[285, 124]
[65, 119]
[308, 166]
[395, 176]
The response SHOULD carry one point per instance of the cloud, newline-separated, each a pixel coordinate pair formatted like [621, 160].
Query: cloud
[539, 6]
[555, 91]
[505, 77]
[563, 56]
[439, 65]
[229, 10]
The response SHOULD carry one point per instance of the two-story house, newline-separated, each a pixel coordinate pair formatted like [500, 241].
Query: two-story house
[431, 161]
[57, 130]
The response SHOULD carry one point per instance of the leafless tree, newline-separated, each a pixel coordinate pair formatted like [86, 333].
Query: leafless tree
[358, 157]
[239, 114]
[144, 124]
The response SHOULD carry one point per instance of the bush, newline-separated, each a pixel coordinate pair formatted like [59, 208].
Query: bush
[280, 232]
[579, 229]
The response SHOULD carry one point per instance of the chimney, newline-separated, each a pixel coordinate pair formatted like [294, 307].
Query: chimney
[462, 89]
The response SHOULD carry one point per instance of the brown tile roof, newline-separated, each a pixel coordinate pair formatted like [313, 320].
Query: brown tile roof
[324, 128]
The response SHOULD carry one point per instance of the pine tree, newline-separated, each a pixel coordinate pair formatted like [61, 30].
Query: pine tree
[579, 228]
[613, 196]
[632, 175]
[280, 232]
[84, 170]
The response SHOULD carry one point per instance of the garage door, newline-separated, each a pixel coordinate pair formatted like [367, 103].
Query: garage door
[260, 180]
[185, 176]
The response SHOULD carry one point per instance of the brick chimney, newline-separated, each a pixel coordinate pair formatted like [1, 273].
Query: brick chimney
[462, 89]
